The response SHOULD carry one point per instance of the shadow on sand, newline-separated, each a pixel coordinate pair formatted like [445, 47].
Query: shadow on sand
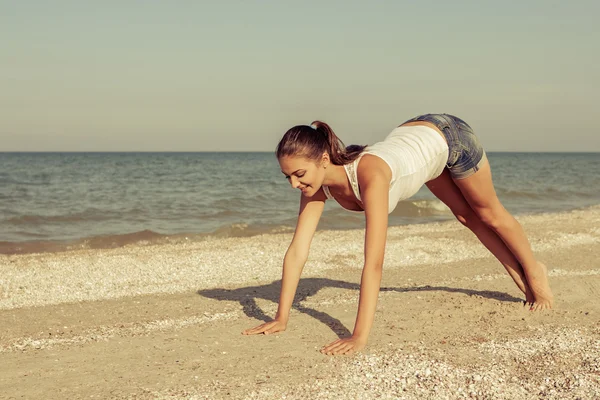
[308, 287]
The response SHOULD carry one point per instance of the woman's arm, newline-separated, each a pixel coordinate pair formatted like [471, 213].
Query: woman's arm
[375, 200]
[308, 218]
[297, 254]
[374, 183]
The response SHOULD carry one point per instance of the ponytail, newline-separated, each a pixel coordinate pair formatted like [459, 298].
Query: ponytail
[314, 140]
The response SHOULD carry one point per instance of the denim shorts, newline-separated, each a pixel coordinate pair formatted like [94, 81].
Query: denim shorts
[465, 154]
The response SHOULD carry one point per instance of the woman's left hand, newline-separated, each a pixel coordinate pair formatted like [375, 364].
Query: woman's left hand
[344, 346]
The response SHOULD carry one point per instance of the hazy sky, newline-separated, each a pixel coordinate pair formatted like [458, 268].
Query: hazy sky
[235, 75]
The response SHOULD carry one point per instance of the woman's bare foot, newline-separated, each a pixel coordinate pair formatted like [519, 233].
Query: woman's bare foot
[542, 294]
[529, 297]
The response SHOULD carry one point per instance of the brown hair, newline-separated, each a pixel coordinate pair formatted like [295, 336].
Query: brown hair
[314, 140]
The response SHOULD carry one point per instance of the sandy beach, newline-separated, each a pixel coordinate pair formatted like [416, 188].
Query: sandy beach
[164, 321]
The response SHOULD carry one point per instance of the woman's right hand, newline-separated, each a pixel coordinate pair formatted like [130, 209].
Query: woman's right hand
[267, 328]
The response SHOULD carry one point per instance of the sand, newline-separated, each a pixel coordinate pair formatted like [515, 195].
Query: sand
[164, 321]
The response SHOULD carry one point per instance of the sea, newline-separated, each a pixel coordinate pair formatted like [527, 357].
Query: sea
[60, 201]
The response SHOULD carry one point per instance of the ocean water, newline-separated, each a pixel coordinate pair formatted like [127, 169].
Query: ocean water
[52, 201]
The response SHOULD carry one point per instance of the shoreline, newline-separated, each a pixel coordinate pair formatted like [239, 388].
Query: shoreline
[150, 268]
[151, 238]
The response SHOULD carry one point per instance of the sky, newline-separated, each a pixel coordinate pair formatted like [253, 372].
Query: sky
[235, 75]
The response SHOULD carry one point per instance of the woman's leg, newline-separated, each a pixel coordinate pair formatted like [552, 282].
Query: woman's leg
[478, 191]
[444, 188]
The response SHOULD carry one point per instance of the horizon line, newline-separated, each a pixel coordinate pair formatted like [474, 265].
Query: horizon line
[242, 151]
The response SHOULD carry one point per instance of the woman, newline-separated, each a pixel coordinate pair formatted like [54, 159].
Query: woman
[438, 150]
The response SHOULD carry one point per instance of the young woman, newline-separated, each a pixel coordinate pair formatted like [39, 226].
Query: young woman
[438, 150]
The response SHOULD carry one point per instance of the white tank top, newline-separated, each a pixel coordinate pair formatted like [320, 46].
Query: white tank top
[415, 154]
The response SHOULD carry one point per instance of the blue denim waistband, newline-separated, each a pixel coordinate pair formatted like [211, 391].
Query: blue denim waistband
[465, 153]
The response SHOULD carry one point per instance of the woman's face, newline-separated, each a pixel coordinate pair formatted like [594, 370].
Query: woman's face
[303, 174]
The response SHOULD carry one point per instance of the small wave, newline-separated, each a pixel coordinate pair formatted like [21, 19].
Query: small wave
[145, 237]
[111, 241]
[434, 205]
[92, 214]
[246, 230]
[9, 248]
[94, 242]
[420, 208]
[225, 214]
